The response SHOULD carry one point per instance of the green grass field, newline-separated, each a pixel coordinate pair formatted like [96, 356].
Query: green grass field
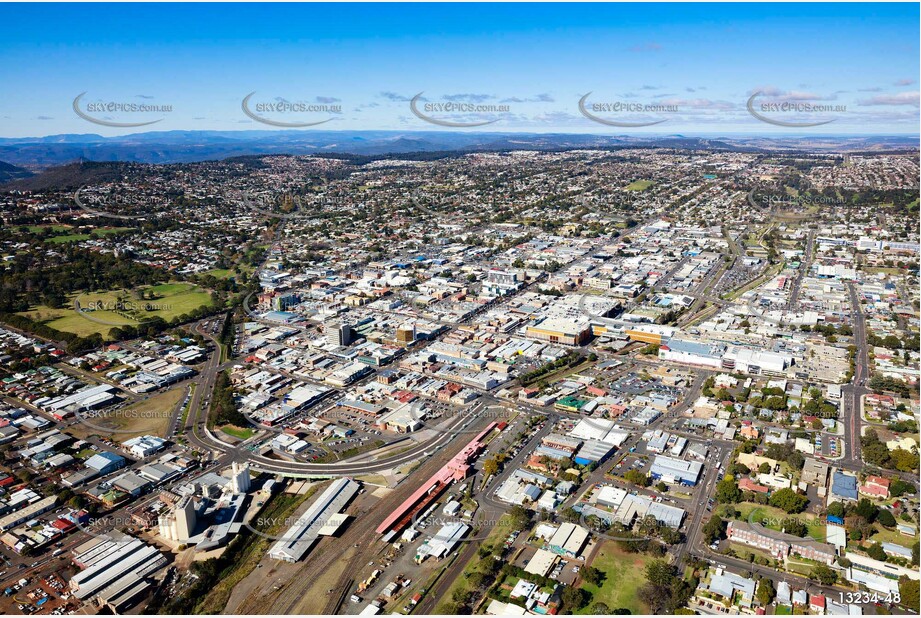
[57, 229]
[240, 433]
[79, 325]
[891, 536]
[624, 574]
[772, 518]
[638, 185]
[169, 301]
[96, 233]
[783, 610]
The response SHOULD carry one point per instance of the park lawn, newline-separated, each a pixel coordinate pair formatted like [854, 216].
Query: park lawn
[44, 313]
[219, 273]
[171, 288]
[73, 322]
[178, 298]
[96, 233]
[564, 372]
[624, 575]
[638, 185]
[170, 301]
[57, 229]
[148, 417]
[108, 231]
[80, 326]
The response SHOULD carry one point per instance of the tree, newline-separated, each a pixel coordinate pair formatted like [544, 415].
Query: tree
[665, 591]
[660, 573]
[766, 591]
[823, 574]
[727, 491]
[836, 509]
[903, 460]
[520, 516]
[876, 552]
[867, 510]
[788, 500]
[738, 469]
[795, 527]
[476, 579]
[886, 518]
[908, 590]
[574, 599]
[670, 536]
[600, 608]
[796, 460]
[636, 477]
[592, 575]
[899, 488]
[461, 596]
[570, 515]
[652, 597]
[714, 529]
[764, 468]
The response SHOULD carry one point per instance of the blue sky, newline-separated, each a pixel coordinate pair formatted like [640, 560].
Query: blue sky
[700, 63]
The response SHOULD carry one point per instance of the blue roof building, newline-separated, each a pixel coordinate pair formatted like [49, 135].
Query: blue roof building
[844, 486]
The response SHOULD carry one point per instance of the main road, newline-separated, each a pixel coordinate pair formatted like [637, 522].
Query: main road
[854, 392]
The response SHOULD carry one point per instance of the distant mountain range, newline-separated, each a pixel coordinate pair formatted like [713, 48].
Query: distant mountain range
[37, 153]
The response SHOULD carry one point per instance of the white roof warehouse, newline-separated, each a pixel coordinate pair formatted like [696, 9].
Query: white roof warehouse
[300, 537]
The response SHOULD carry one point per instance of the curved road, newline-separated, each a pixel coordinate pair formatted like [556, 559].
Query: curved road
[197, 433]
